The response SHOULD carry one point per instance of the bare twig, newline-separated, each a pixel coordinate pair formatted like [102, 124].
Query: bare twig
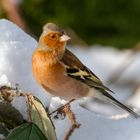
[66, 110]
[72, 118]
[8, 93]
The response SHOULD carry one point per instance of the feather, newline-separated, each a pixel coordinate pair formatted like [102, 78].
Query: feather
[76, 70]
[116, 102]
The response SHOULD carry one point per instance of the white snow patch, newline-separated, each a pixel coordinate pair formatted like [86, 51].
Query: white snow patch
[16, 49]
[55, 103]
[4, 81]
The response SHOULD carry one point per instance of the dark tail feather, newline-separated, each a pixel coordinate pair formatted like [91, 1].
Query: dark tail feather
[116, 102]
[106, 88]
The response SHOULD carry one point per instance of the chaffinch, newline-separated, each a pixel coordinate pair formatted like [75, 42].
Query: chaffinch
[62, 74]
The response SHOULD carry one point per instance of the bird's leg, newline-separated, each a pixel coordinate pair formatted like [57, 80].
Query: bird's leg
[65, 110]
[71, 116]
[61, 113]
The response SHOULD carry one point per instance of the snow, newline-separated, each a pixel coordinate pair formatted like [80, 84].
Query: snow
[134, 101]
[16, 49]
[4, 81]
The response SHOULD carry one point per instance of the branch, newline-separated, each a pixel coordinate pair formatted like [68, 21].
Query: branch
[66, 110]
[72, 119]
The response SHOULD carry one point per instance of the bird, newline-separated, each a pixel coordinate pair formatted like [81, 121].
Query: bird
[61, 73]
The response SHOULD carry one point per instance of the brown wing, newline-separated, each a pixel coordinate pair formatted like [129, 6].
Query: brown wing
[77, 70]
[71, 60]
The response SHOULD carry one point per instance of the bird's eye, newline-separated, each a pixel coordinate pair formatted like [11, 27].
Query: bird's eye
[61, 33]
[53, 36]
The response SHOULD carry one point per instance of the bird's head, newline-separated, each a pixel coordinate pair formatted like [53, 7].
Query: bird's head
[53, 38]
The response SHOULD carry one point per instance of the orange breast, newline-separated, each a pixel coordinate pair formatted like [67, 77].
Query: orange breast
[54, 80]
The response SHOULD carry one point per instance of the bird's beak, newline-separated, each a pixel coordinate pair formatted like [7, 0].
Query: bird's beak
[64, 38]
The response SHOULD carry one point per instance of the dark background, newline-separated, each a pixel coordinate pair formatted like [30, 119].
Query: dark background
[105, 22]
